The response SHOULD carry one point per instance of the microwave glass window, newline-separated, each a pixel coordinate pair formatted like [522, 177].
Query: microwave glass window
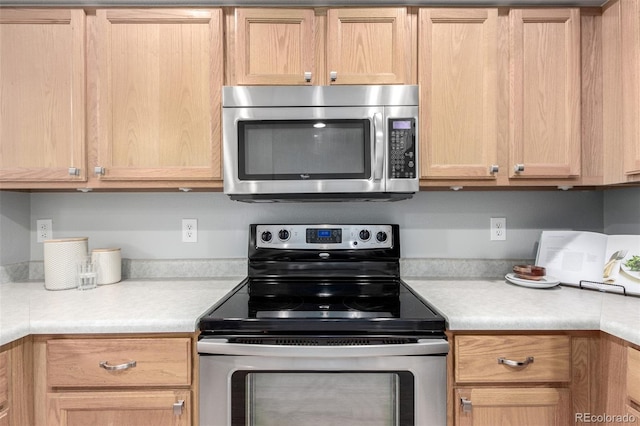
[285, 398]
[304, 149]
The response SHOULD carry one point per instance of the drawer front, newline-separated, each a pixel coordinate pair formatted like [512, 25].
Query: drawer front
[119, 362]
[633, 374]
[4, 376]
[477, 358]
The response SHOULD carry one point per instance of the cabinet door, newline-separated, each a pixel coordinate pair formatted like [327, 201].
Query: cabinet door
[458, 83]
[274, 46]
[42, 95]
[544, 93]
[368, 46]
[159, 84]
[152, 408]
[630, 15]
[513, 406]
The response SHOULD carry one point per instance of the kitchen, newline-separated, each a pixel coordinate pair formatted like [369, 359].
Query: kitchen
[442, 227]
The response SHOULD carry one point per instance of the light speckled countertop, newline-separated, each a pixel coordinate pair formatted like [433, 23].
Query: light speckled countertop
[155, 306]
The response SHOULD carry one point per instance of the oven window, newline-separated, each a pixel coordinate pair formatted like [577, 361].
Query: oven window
[304, 149]
[285, 398]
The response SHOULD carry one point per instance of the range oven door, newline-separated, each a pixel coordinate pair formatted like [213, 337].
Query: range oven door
[399, 385]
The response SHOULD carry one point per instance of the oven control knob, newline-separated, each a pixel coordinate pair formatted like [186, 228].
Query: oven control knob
[283, 235]
[365, 235]
[381, 236]
[266, 236]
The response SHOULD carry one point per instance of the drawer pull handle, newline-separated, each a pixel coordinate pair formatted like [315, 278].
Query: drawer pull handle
[125, 366]
[512, 363]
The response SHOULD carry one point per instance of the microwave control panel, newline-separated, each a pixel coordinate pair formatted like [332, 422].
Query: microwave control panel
[402, 148]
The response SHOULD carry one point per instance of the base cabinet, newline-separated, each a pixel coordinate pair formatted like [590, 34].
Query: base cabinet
[119, 380]
[512, 406]
[155, 408]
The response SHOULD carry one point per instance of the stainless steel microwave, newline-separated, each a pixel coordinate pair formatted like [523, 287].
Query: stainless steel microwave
[313, 143]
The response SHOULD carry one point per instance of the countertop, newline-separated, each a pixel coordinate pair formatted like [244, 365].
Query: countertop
[158, 306]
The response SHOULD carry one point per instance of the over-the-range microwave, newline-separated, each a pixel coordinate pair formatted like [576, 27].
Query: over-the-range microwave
[319, 143]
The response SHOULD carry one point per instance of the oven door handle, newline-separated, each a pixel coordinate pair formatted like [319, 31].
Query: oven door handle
[422, 347]
[378, 146]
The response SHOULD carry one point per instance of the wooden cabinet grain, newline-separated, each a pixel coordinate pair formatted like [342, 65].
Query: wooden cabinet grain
[135, 380]
[319, 46]
[545, 94]
[42, 107]
[159, 81]
[521, 379]
[458, 77]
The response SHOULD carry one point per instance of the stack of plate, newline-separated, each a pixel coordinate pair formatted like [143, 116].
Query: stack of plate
[531, 276]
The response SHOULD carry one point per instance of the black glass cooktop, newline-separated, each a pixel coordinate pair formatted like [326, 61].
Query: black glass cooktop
[255, 312]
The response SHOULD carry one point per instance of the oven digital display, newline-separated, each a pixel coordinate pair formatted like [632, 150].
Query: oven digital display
[324, 235]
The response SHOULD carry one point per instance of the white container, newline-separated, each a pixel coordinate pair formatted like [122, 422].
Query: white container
[61, 258]
[109, 264]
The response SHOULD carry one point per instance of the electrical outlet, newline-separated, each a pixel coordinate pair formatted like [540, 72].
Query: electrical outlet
[44, 230]
[189, 230]
[498, 226]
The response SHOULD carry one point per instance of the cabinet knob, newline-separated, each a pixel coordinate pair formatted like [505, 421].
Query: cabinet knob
[333, 75]
[74, 171]
[99, 170]
[466, 405]
[518, 168]
[307, 76]
[178, 407]
[494, 168]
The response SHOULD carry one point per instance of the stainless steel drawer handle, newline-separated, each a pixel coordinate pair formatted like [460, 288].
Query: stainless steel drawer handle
[512, 363]
[125, 366]
[518, 168]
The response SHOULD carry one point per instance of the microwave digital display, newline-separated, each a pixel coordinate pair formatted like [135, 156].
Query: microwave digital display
[402, 124]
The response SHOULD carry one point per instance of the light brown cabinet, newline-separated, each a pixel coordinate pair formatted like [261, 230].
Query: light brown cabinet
[124, 381]
[4, 390]
[159, 79]
[621, 91]
[458, 79]
[319, 46]
[544, 93]
[42, 107]
[511, 379]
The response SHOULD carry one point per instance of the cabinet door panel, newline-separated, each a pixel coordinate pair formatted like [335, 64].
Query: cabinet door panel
[368, 46]
[159, 88]
[630, 19]
[42, 95]
[274, 46]
[152, 408]
[545, 92]
[458, 81]
[514, 406]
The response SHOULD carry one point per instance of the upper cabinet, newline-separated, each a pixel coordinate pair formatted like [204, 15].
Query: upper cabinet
[280, 46]
[458, 76]
[368, 46]
[544, 109]
[159, 78]
[274, 46]
[42, 95]
[621, 91]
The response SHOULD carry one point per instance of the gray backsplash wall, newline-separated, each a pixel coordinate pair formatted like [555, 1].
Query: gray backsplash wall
[622, 211]
[15, 227]
[436, 224]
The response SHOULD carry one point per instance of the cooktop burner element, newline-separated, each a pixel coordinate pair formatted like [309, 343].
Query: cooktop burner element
[323, 280]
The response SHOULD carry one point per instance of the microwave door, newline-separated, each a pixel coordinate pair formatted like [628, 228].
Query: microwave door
[304, 150]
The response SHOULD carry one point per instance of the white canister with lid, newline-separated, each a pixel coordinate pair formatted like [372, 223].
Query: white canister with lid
[61, 257]
[109, 264]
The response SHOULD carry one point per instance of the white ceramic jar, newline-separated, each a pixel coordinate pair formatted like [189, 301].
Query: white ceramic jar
[109, 264]
[61, 257]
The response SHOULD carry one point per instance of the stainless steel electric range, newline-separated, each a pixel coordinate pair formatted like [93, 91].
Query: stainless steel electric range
[322, 330]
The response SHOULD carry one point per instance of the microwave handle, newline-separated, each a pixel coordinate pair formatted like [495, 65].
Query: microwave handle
[378, 147]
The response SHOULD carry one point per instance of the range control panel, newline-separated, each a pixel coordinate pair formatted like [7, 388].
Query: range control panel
[324, 237]
[402, 148]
